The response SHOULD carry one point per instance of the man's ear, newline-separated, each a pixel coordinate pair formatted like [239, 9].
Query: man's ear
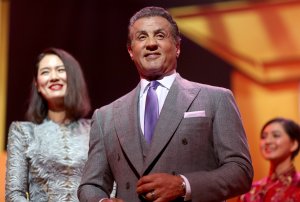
[129, 51]
[178, 49]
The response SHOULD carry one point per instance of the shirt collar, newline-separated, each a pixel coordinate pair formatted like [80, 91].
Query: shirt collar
[165, 82]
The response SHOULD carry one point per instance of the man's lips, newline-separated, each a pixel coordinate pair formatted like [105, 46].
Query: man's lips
[150, 55]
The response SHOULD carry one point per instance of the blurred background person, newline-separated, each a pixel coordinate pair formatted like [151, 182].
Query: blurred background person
[46, 155]
[279, 144]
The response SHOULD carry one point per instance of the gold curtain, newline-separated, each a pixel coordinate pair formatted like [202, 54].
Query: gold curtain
[4, 22]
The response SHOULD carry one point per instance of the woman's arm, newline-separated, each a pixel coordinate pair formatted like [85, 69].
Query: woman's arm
[16, 186]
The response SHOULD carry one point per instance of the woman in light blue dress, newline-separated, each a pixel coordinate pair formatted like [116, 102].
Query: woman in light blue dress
[47, 154]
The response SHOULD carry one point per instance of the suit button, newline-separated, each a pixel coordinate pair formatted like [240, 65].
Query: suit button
[127, 185]
[184, 141]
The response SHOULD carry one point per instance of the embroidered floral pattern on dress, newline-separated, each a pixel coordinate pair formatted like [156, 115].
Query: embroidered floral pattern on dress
[45, 161]
[275, 188]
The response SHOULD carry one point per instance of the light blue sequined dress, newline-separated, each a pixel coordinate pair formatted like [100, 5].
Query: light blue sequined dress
[45, 161]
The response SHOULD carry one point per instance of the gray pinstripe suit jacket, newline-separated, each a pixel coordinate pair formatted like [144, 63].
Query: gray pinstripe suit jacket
[211, 150]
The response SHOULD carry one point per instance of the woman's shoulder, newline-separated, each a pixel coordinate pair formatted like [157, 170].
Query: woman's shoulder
[294, 188]
[84, 121]
[20, 131]
[21, 125]
[296, 179]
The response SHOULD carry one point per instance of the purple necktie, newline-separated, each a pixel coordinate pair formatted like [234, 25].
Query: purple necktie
[151, 111]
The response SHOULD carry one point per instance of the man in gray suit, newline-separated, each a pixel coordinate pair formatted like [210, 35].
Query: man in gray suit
[198, 150]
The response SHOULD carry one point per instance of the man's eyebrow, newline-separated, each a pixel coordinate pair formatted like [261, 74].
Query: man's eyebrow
[141, 32]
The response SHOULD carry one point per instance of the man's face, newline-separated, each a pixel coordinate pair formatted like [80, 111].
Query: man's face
[153, 48]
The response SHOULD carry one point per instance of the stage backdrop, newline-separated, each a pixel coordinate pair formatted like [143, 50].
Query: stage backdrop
[224, 44]
[261, 41]
[96, 35]
[4, 13]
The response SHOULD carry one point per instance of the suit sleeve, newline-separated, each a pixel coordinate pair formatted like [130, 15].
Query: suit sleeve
[235, 172]
[96, 182]
[16, 185]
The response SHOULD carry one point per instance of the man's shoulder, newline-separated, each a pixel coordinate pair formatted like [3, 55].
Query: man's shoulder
[210, 88]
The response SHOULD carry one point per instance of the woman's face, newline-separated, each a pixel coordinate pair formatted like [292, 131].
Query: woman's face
[52, 79]
[275, 143]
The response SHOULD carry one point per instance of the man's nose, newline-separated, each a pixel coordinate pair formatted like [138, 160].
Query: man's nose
[151, 43]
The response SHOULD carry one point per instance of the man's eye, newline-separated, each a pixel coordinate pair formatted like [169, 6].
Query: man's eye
[160, 36]
[142, 37]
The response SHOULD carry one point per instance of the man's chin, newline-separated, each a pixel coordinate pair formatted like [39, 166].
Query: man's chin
[154, 76]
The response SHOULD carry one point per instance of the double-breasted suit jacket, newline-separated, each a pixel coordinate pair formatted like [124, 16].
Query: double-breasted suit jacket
[210, 150]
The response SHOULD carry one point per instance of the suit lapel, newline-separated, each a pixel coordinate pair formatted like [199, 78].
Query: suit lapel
[178, 101]
[128, 128]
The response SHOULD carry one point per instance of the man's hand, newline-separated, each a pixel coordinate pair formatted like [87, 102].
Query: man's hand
[160, 187]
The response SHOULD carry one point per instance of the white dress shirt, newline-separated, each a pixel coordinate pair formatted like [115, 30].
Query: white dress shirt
[162, 91]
